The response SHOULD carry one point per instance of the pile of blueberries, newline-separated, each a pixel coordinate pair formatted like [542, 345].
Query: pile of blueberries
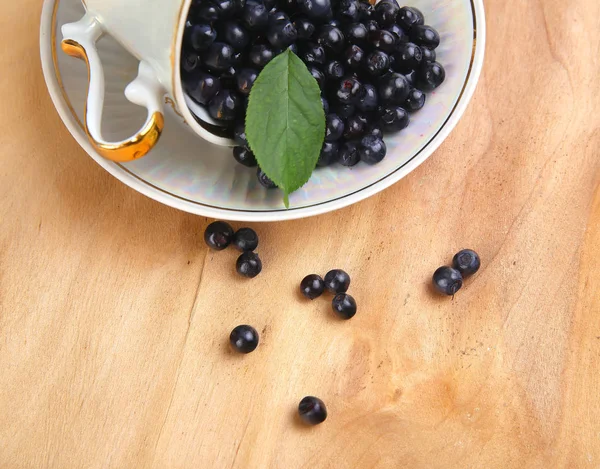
[373, 64]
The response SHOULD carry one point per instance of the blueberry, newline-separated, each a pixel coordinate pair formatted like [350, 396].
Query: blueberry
[393, 118]
[348, 154]
[207, 12]
[277, 16]
[304, 28]
[408, 57]
[372, 149]
[372, 25]
[447, 280]
[312, 410]
[334, 70]
[255, 15]
[334, 128]
[355, 127]
[344, 110]
[425, 36]
[377, 63]
[398, 32]
[219, 57]
[365, 11]
[411, 77]
[313, 54]
[375, 130]
[415, 100]
[190, 63]
[264, 180]
[245, 79]
[227, 8]
[293, 48]
[260, 55]
[245, 239]
[202, 88]
[344, 305]
[430, 76]
[337, 281]
[200, 36]
[349, 11]
[356, 33]
[248, 265]
[409, 17]
[225, 106]
[467, 262]
[393, 89]
[429, 55]
[244, 339]
[317, 75]
[331, 38]
[329, 154]
[335, 23]
[244, 156]
[354, 56]
[229, 78]
[325, 105]
[239, 134]
[235, 35]
[386, 12]
[383, 40]
[218, 235]
[282, 34]
[349, 91]
[312, 286]
[316, 10]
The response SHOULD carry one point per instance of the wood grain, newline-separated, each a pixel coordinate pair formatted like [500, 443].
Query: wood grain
[114, 317]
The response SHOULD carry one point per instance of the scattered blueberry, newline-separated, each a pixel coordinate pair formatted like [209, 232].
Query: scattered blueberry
[393, 118]
[239, 134]
[348, 154]
[305, 29]
[207, 12]
[377, 63]
[313, 53]
[398, 32]
[429, 55]
[408, 57]
[312, 286]
[355, 127]
[243, 339]
[383, 40]
[244, 156]
[282, 34]
[248, 265]
[325, 104]
[318, 75]
[312, 410]
[329, 154]
[344, 110]
[218, 235]
[356, 33]
[409, 17]
[344, 305]
[467, 262]
[218, 57]
[425, 36]
[245, 239]
[255, 15]
[200, 36]
[337, 281]
[415, 100]
[372, 149]
[430, 76]
[235, 35]
[349, 11]
[354, 56]
[264, 180]
[349, 91]
[447, 280]
[369, 101]
[317, 10]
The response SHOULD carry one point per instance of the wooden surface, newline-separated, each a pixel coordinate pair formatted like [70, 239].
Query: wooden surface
[114, 317]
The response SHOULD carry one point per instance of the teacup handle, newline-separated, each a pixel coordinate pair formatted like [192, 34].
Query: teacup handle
[79, 40]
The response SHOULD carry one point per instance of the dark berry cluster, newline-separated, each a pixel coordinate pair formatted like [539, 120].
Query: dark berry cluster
[337, 282]
[448, 280]
[372, 63]
[219, 234]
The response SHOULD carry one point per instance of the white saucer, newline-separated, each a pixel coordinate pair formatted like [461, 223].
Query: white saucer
[187, 173]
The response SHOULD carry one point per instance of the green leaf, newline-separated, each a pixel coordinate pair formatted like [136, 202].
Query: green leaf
[285, 122]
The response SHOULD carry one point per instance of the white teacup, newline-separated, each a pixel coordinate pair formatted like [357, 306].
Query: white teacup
[151, 30]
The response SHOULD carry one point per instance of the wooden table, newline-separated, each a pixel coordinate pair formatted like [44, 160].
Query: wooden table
[114, 316]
